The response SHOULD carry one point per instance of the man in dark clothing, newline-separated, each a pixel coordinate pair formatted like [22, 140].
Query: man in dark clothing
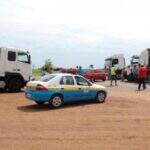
[142, 75]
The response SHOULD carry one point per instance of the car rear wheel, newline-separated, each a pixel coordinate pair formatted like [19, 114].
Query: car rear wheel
[56, 101]
[101, 96]
[39, 103]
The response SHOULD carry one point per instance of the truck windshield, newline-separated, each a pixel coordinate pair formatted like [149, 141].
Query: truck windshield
[135, 60]
[115, 61]
[23, 57]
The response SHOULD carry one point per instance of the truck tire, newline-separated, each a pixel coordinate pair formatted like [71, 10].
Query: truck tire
[2, 89]
[14, 85]
[2, 86]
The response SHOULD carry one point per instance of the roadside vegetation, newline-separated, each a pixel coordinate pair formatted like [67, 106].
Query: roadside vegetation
[47, 67]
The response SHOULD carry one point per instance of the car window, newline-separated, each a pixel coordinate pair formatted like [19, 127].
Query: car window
[67, 80]
[81, 81]
[47, 78]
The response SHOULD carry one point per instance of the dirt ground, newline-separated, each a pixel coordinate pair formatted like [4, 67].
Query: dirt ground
[122, 123]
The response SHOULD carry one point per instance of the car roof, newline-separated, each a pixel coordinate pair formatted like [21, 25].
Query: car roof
[60, 74]
[63, 74]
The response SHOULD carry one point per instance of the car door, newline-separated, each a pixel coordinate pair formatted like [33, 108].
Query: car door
[84, 87]
[69, 90]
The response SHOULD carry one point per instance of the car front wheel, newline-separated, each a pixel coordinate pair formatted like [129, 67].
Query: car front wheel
[56, 101]
[101, 96]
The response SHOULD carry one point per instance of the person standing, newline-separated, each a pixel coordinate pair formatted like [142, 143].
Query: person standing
[113, 75]
[142, 75]
[128, 71]
[80, 71]
[123, 74]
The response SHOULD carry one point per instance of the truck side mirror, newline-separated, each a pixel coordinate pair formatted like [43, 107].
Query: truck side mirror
[29, 59]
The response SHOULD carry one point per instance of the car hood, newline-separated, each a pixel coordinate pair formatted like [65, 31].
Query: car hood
[99, 87]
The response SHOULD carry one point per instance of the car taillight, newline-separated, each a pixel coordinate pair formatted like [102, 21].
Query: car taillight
[41, 88]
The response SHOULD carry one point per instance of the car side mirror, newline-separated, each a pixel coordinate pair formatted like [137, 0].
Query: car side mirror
[79, 83]
[89, 84]
[29, 59]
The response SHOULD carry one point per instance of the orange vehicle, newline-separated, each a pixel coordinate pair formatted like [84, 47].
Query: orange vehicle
[96, 74]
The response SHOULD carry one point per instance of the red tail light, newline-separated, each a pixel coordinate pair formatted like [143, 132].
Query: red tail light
[40, 87]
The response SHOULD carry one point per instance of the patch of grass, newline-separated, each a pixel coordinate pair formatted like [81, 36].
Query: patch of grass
[36, 72]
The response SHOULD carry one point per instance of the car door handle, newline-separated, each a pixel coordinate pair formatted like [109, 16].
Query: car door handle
[80, 88]
[18, 69]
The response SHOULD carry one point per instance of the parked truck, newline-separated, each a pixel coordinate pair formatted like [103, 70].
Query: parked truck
[135, 61]
[133, 67]
[118, 61]
[144, 59]
[15, 69]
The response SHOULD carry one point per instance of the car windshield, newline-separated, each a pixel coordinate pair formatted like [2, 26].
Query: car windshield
[47, 78]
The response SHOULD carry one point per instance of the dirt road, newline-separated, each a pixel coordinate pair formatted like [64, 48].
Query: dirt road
[122, 123]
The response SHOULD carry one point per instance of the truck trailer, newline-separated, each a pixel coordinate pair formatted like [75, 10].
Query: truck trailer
[144, 59]
[15, 69]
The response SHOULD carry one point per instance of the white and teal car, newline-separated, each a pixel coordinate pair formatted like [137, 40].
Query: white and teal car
[57, 89]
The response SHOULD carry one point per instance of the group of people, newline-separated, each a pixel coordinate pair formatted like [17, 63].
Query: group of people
[79, 70]
[142, 73]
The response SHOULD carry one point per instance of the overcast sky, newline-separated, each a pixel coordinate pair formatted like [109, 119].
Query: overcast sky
[75, 32]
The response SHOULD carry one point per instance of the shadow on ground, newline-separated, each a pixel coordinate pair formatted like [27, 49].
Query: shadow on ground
[47, 107]
[8, 92]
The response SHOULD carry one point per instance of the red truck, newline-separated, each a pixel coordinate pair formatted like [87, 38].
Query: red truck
[96, 74]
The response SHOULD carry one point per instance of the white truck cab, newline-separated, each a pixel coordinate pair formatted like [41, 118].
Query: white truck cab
[145, 57]
[145, 60]
[117, 60]
[135, 60]
[15, 68]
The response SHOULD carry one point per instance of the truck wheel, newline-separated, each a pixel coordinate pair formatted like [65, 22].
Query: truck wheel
[101, 96]
[14, 85]
[56, 101]
[2, 90]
